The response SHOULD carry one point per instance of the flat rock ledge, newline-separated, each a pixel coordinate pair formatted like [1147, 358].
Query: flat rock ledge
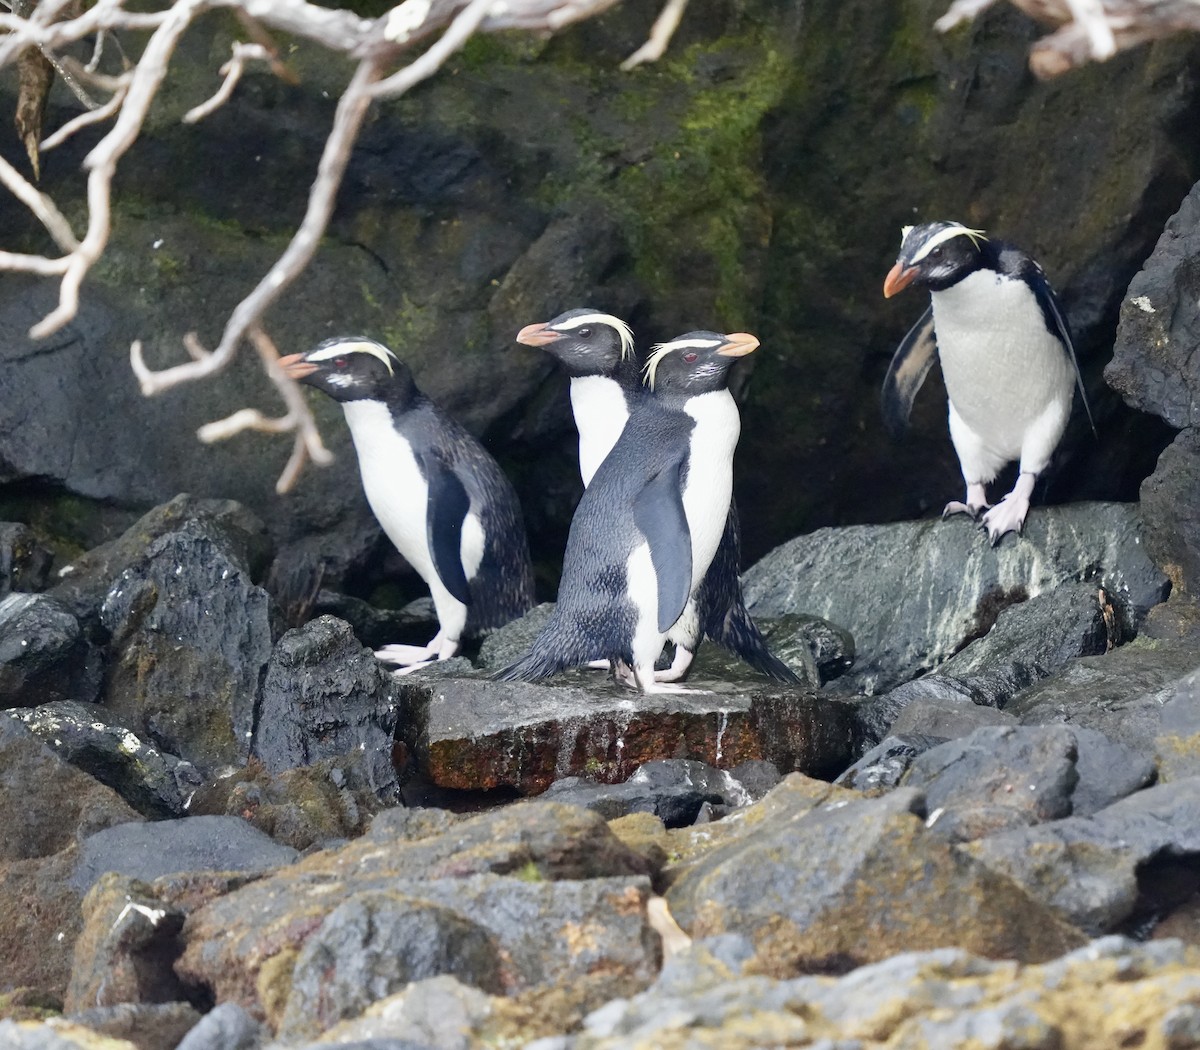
[474, 733]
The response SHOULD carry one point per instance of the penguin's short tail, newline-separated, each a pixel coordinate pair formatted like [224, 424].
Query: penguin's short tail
[738, 633]
[549, 655]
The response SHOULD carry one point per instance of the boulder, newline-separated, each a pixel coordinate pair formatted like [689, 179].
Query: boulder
[881, 768]
[324, 696]
[225, 1027]
[146, 851]
[473, 733]
[43, 653]
[824, 884]
[552, 888]
[915, 593]
[996, 778]
[154, 783]
[191, 638]
[147, 1026]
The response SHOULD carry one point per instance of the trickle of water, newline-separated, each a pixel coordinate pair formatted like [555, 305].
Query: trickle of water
[722, 725]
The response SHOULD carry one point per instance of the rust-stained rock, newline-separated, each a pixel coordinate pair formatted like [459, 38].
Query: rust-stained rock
[39, 920]
[831, 886]
[471, 733]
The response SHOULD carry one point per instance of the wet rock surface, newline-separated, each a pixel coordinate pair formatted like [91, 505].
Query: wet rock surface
[914, 594]
[24, 559]
[44, 655]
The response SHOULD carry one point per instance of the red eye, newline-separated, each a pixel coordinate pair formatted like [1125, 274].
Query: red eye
[690, 356]
[340, 362]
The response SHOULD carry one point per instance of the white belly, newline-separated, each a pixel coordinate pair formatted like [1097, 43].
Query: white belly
[395, 489]
[709, 486]
[1002, 366]
[598, 405]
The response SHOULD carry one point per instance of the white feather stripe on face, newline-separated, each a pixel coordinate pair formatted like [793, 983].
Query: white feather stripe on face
[941, 237]
[661, 350]
[571, 324]
[354, 346]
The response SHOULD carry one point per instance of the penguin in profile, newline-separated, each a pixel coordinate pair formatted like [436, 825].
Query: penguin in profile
[597, 351]
[1010, 368]
[648, 525]
[440, 498]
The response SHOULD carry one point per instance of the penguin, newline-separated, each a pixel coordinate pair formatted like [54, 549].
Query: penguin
[1010, 368]
[597, 351]
[438, 495]
[648, 525]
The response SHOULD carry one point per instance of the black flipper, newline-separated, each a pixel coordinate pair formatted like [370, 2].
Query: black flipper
[723, 613]
[1057, 325]
[910, 365]
[444, 515]
[658, 514]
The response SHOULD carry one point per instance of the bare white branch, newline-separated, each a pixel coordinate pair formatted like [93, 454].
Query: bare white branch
[459, 32]
[1088, 30]
[660, 35]
[92, 116]
[41, 206]
[232, 71]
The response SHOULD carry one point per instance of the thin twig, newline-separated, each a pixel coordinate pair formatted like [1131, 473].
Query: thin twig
[92, 116]
[351, 111]
[660, 35]
[457, 34]
[41, 206]
[232, 71]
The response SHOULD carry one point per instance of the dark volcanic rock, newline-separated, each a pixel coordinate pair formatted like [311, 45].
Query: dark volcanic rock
[323, 696]
[1171, 505]
[43, 654]
[322, 803]
[832, 880]
[46, 802]
[192, 635]
[375, 943]
[146, 851]
[85, 582]
[881, 768]
[932, 706]
[225, 1027]
[914, 593]
[1178, 741]
[1154, 364]
[552, 886]
[996, 778]
[1088, 869]
[1120, 694]
[154, 783]
[24, 561]
[1108, 771]
[126, 949]
[471, 733]
[672, 789]
[147, 1026]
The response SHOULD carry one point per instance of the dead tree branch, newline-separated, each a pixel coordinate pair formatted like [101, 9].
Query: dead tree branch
[378, 46]
[1087, 30]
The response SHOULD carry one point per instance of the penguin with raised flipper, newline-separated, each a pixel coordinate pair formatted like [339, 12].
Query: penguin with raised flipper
[996, 325]
[648, 525]
[597, 351]
[440, 498]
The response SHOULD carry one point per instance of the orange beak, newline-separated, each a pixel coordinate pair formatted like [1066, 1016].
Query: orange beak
[738, 344]
[898, 279]
[295, 366]
[537, 335]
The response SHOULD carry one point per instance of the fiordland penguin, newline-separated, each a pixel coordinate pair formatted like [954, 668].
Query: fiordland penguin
[648, 525]
[1010, 369]
[440, 498]
[597, 351]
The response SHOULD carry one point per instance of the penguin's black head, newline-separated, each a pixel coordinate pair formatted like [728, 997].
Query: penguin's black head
[587, 342]
[352, 368]
[935, 255]
[696, 363]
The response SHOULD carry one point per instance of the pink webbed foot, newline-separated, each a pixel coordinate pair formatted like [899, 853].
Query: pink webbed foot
[1009, 514]
[955, 507]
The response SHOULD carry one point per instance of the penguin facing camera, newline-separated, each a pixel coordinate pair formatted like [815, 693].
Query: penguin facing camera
[597, 351]
[648, 525]
[439, 497]
[996, 325]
